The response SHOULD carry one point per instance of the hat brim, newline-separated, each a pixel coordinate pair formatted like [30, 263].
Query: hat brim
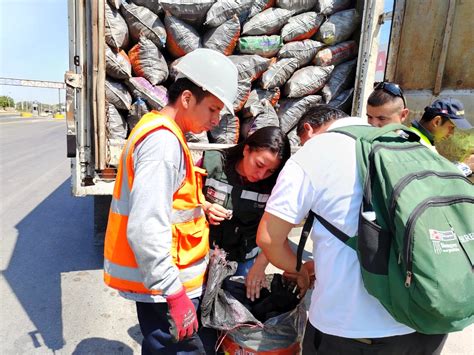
[461, 123]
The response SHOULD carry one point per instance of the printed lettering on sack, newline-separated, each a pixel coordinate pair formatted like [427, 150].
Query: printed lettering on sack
[466, 238]
[444, 241]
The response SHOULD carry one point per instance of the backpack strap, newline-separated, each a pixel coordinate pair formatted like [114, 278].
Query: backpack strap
[308, 225]
[392, 127]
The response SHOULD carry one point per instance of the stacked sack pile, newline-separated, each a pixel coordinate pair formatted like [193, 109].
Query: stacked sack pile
[291, 55]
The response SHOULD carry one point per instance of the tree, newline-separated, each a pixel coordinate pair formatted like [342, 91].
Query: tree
[6, 101]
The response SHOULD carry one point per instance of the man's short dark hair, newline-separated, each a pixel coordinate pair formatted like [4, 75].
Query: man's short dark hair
[182, 84]
[380, 97]
[319, 115]
[428, 116]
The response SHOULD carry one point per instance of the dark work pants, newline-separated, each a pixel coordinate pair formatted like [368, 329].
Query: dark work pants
[409, 344]
[154, 325]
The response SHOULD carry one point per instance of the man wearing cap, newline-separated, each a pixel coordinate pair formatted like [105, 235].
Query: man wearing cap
[439, 121]
[386, 104]
[156, 245]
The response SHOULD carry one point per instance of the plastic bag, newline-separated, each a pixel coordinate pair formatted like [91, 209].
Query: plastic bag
[243, 92]
[116, 126]
[260, 5]
[297, 6]
[148, 62]
[143, 22]
[266, 46]
[227, 132]
[153, 5]
[136, 112]
[117, 94]
[336, 54]
[115, 3]
[220, 310]
[182, 37]
[307, 81]
[329, 7]
[117, 64]
[342, 77]
[253, 103]
[291, 110]
[343, 101]
[279, 73]
[116, 29]
[250, 66]
[224, 10]
[339, 27]
[192, 12]
[224, 37]
[293, 138]
[155, 96]
[265, 116]
[268, 22]
[197, 137]
[301, 27]
[304, 50]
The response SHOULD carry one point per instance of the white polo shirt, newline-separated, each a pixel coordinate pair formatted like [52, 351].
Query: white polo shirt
[330, 187]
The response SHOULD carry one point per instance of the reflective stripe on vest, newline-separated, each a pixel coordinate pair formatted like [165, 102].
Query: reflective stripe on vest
[424, 139]
[254, 196]
[177, 216]
[190, 231]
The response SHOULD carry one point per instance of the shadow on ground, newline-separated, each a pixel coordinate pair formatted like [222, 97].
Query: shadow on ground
[55, 238]
[102, 346]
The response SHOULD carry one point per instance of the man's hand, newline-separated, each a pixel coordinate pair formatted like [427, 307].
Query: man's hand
[301, 278]
[181, 315]
[309, 266]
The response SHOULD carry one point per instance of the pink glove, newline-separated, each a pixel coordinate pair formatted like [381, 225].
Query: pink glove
[181, 315]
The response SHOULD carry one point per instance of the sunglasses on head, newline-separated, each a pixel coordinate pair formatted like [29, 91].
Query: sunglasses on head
[392, 89]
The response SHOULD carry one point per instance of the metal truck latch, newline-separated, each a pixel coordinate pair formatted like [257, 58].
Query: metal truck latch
[72, 79]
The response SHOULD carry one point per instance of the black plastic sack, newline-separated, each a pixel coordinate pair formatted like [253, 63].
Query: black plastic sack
[227, 132]
[117, 64]
[117, 94]
[291, 110]
[342, 77]
[343, 101]
[144, 22]
[137, 111]
[116, 125]
[221, 311]
[116, 30]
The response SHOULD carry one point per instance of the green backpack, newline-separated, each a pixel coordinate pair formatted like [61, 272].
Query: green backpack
[415, 239]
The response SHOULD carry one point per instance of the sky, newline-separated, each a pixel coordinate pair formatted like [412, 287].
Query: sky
[33, 45]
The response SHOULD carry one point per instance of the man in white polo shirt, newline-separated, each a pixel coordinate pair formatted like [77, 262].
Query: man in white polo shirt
[322, 177]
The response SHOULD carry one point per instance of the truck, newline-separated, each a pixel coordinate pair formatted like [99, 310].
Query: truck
[428, 44]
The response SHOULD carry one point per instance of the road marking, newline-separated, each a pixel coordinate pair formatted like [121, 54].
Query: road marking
[32, 121]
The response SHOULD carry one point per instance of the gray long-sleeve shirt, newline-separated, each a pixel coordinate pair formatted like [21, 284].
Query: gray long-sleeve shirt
[160, 170]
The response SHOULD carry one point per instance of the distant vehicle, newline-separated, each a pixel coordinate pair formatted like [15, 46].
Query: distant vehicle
[46, 113]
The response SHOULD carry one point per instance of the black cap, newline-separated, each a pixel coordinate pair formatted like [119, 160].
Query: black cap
[450, 108]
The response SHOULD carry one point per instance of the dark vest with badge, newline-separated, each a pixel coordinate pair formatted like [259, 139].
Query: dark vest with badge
[247, 201]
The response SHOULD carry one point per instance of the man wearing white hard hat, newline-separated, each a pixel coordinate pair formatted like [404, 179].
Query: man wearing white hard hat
[156, 246]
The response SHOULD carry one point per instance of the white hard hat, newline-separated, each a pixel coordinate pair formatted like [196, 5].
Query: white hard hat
[213, 72]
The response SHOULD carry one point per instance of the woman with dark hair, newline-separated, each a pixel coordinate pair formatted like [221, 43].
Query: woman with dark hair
[239, 182]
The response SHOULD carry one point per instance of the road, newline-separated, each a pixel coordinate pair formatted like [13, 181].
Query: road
[53, 299]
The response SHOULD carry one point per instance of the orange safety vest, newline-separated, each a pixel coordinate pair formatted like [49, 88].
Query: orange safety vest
[190, 230]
